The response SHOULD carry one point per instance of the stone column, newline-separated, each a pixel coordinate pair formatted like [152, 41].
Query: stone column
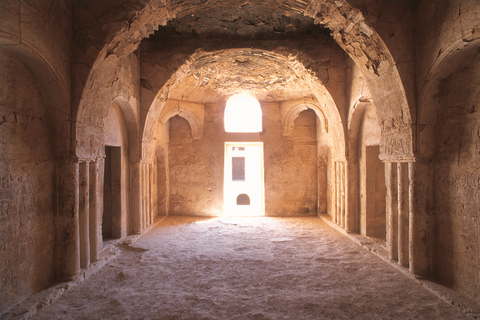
[403, 214]
[154, 191]
[83, 214]
[337, 193]
[351, 223]
[144, 197]
[95, 210]
[67, 248]
[150, 191]
[136, 197]
[342, 195]
[420, 195]
[391, 209]
[147, 190]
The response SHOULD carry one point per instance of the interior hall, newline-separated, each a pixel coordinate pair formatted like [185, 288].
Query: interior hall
[121, 120]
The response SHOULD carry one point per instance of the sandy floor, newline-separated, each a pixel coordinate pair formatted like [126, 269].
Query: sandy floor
[247, 268]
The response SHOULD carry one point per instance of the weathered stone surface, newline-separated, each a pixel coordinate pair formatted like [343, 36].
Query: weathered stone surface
[26, 186]
[456, 177]
[356, 95]
[196, 166]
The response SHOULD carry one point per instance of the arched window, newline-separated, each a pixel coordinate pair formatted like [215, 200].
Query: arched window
[243, 114]
[243, 199]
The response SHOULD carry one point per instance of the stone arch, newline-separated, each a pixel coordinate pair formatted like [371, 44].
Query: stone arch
[132, 123]
[331, 128]
[55, 91]
[195, 125]
[429, 101]
[353, 133]
[447, 144]
[289, 116]
[162, 108]
[348, 28]
[327, 114]
[162, 111]
[354, 123]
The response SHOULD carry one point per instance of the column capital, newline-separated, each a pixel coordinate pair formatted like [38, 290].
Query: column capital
[66, 158]
[92, 160]
[397, 160]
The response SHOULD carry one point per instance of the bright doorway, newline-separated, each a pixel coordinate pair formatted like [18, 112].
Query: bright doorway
[244, 179]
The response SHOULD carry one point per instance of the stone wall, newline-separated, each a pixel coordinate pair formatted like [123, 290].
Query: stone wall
[290, 166]
[457, 183]
[447, 60]
[26, 186]
[196, 166]
[39, 34]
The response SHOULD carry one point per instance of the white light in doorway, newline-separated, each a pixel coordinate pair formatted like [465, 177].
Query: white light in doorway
[251, 183]
[243, 114]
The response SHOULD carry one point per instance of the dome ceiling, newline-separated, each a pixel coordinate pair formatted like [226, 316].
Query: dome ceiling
[264, 74]
[246, 48]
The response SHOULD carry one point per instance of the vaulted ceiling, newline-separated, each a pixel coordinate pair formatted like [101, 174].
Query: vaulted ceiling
[243, 48]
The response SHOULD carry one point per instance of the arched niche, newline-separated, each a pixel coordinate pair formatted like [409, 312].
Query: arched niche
[330, 141]
[429, 101]
[114, 129]
[190, 111]
[292, 108]
[27, 183]
[448, 141]
[132, 124]
[354, 124]
[54, 88]
[330, 129]
[162, 111]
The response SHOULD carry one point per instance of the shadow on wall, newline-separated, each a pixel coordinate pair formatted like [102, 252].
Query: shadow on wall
[457, 180]
[27, 230]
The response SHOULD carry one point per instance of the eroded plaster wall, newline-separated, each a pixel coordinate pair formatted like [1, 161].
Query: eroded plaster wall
[44, 26]
[196, 168]
[439, 25]
[26, 186]
[447, 37]
[457, 182]
[290, 166]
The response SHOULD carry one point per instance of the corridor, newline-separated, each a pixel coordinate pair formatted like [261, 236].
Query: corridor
[247, 268]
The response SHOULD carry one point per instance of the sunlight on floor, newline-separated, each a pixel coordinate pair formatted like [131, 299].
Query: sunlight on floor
[235, 219]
